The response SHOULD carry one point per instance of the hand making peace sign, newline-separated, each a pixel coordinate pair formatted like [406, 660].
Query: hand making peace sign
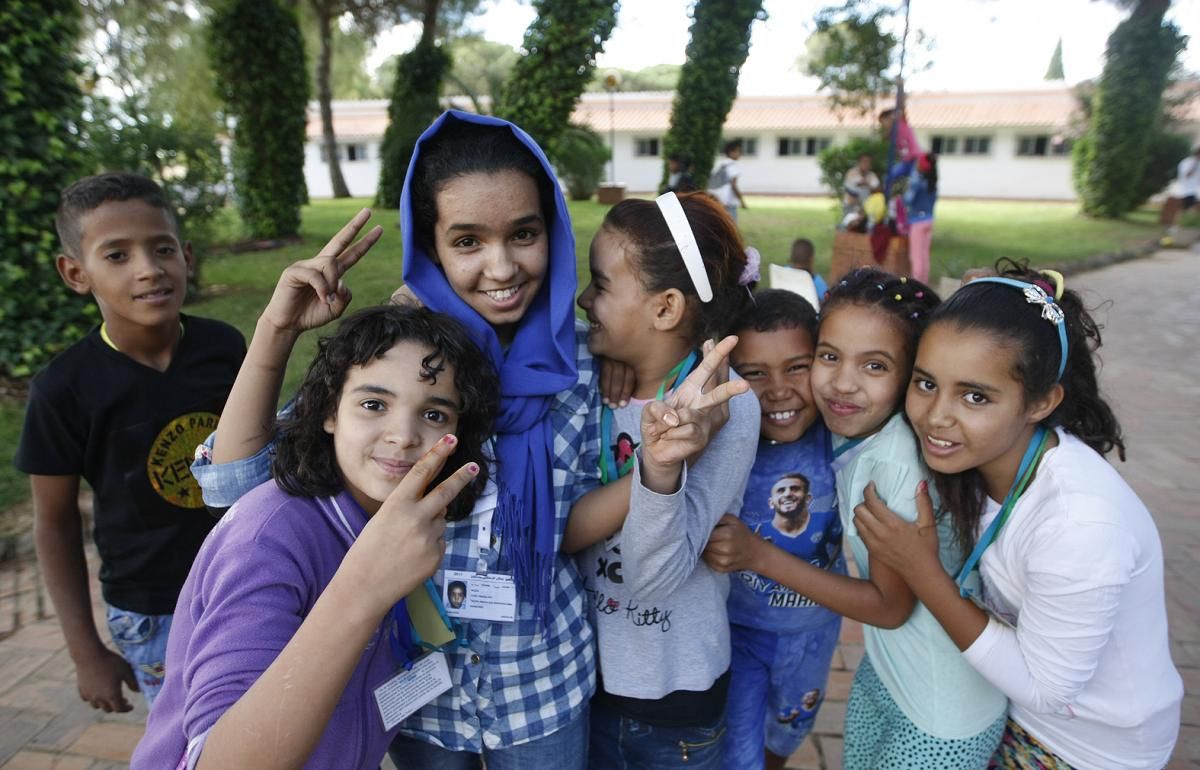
[310, 293]
[681, 426]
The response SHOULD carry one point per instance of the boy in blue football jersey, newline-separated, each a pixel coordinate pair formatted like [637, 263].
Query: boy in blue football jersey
[782, 643]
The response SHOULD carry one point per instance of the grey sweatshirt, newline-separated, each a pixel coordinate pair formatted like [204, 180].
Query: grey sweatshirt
[658, 610]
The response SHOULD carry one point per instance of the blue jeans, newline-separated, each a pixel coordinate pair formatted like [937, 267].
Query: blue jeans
[621, 743]
[142, 642]
[564, 749]
[777, 684]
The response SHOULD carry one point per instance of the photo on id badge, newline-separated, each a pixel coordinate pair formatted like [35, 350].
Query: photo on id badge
[474, 596]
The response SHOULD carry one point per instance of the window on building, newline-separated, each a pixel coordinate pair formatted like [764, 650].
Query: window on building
[346, 152]
[1041, 145]
[976, 145]
[749, 145]
[815, 144]
[802, 146]
[646, 148]
[944, 145]
[1033, 145]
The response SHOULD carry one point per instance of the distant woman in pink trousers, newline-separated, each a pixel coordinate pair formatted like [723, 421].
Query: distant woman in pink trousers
[920, 197]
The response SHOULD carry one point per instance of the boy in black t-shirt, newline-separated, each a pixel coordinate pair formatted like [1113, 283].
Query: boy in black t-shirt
[124, 409]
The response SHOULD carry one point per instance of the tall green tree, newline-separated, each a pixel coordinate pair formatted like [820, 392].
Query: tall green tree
[1111, 157]
[561, 46]
[413, 106]
[258, 54]
[1055, 70]
[40, 116]
[720, 42]
[852, 53]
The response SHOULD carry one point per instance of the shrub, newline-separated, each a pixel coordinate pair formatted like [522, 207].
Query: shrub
[720, 41]
[579, 156]
[40, 110]
[560, 54]
[257, 53]
[1109, 163]
[414, 105]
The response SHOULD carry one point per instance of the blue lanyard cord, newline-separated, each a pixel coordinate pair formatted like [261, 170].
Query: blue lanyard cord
[1029, 461]
[405, 642]
[401, 636]
[673, 378]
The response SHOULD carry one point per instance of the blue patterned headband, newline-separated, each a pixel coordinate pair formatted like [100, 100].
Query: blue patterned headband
[1051, 310]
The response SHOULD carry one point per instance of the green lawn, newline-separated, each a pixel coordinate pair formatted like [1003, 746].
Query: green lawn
[968, 233]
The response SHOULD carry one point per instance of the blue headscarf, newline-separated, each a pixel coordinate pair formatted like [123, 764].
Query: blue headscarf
[538, 364]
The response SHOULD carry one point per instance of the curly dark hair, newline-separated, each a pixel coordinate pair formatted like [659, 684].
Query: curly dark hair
[305, 464]
[907, 301]
[1001, 312]
[659, 265]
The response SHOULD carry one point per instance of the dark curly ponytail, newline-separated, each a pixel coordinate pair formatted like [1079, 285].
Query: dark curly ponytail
[1002, 312]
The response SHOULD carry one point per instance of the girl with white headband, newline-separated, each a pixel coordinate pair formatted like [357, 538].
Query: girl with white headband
[666, 277]
[1070, 620]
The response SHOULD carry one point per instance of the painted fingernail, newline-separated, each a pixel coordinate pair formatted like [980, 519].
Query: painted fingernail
[922, 486]
[450, 439]
[472, 469]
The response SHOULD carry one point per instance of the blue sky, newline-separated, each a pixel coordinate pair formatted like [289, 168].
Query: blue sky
[986, 44]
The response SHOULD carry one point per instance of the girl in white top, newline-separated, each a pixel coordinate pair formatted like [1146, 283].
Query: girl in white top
[1073, 625]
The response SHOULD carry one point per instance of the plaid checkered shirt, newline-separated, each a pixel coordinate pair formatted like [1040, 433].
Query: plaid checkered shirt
[513, 682]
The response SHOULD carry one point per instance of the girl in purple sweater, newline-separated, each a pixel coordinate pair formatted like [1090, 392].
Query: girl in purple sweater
[291, 627]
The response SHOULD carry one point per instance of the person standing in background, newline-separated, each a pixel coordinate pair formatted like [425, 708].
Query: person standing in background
[723, 183]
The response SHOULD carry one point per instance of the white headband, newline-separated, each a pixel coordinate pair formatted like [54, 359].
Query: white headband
[685, 241]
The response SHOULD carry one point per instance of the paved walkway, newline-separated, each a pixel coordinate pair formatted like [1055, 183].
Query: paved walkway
[1152, 374]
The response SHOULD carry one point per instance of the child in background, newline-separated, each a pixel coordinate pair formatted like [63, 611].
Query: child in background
[723, 182]
[1073, 629]
[802, 258]
[797, 276]
[292, 614]
[782, 642]
[679, 174]
[123, 409]
[665, 278]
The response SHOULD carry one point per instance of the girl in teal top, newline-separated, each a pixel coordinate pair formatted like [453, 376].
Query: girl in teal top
[915, 701]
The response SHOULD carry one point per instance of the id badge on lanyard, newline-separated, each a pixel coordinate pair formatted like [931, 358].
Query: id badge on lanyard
[481, 594]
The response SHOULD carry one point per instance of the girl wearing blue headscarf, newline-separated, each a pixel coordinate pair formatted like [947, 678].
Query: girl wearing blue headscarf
[487, 239]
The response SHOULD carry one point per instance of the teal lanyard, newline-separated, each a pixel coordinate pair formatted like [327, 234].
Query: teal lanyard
[1033, 453]
[846, 447]
[673, 378]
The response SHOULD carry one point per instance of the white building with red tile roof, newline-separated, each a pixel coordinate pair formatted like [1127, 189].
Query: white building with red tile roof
[991, 144]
